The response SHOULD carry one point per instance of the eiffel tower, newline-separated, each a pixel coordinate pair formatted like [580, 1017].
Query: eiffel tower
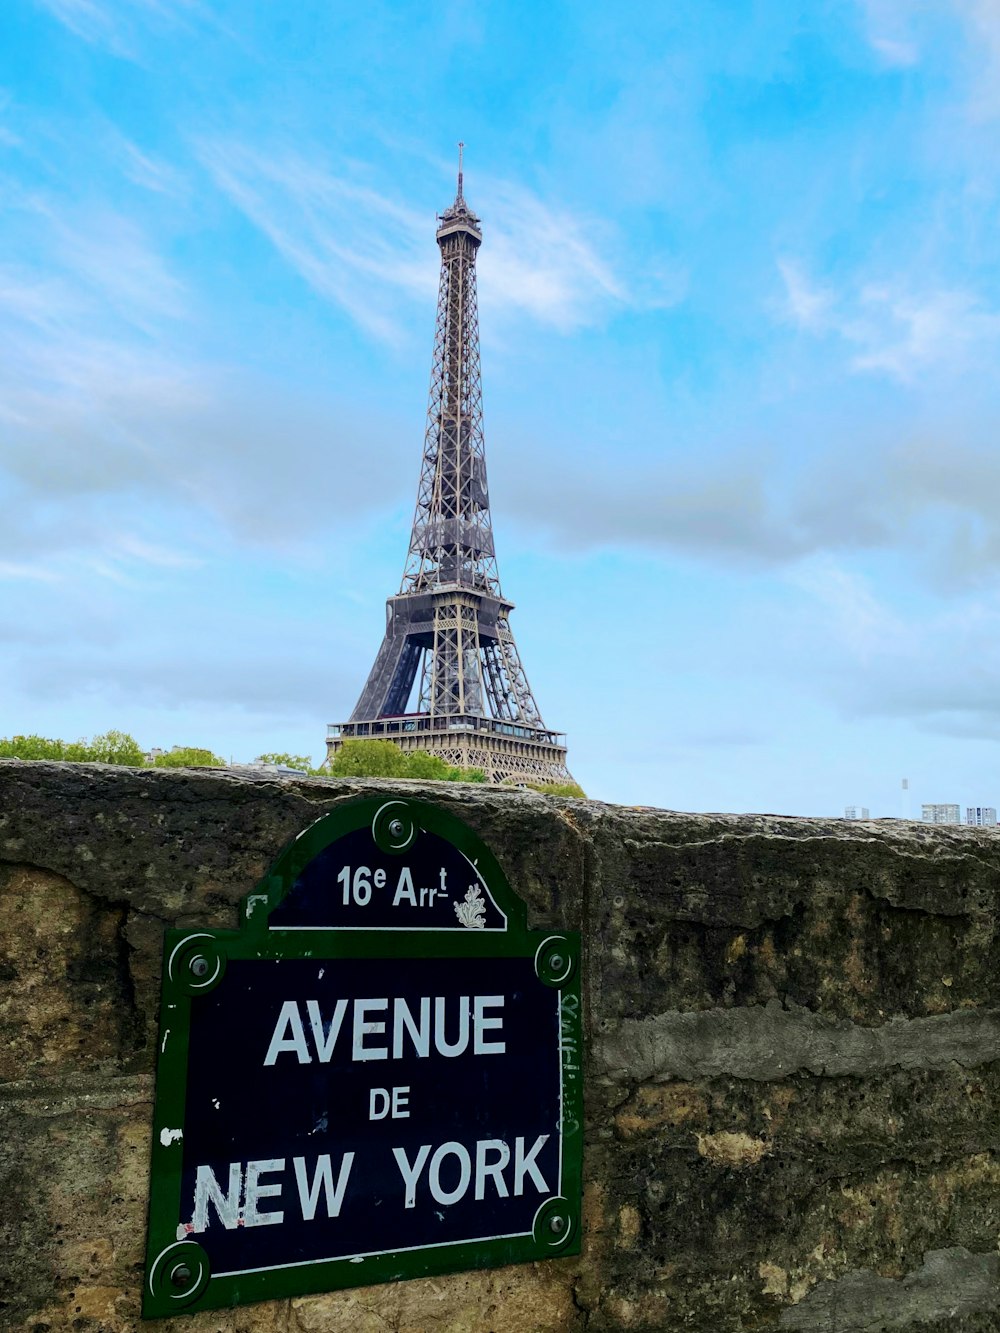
[448, 628]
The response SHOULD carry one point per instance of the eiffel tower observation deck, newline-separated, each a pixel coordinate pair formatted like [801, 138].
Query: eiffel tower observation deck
[448, 678]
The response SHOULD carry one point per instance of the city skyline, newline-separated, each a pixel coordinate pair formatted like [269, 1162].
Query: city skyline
[740, 306]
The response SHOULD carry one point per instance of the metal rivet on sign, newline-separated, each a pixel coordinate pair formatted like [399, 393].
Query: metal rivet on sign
[396, 828]
[181, 1275]
[557, 1225]
[556, 961]
[199, 966]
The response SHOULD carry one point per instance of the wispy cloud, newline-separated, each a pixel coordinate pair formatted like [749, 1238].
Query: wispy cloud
[145, 169]
[112, 425]
[89, 19]
[8, 137]
[903, 33]
[938, 668]
[890, 31]
[362, 249]
[540, 261]
[354, 246]
[151, 553]
[895, 328]
[118, 25]
[861, 621]
[929, 498]
[904, 333]
[982, 18]
[110, 255]
[254, 676]
[87, 316]
[11, 570]
[806, 304]
[88, 261]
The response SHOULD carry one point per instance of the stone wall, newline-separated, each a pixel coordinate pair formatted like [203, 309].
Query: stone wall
[793, 1075]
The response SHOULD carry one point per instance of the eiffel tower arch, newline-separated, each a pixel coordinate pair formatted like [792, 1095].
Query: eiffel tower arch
[448, 678]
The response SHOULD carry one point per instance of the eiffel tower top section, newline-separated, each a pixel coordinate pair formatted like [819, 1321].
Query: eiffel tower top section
[451, 544]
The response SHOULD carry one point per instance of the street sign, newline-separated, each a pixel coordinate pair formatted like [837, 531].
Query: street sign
[376, 1077]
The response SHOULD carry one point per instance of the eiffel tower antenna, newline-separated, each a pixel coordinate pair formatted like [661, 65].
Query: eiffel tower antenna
[448, 678]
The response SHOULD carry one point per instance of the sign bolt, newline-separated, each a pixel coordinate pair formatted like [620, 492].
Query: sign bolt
[556, 961]
[181, 1276]
[557, 1225]
[396, 828]
[199, 966]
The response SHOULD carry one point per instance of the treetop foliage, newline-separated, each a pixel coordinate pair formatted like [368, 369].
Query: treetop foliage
[559, 789]
[188, 756]
[355, 759]
[384, 759]
[113, 747]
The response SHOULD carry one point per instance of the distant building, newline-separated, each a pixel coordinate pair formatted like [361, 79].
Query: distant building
[985, 816]
[940, 814]
[856, 812]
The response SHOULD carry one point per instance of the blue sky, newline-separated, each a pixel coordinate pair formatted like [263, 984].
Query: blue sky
[740, 308]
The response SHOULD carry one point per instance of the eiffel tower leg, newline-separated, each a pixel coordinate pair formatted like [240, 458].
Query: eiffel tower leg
[390, 680]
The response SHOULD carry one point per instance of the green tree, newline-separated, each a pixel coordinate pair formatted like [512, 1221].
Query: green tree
[384, 759]
[31, 747]
[286, 761]
[113, 747]
[558, 789]
[421, 764]
[188, 756]
[368, 759]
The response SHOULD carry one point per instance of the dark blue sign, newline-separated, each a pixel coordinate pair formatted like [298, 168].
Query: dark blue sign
[327, 1117]
[377, 1077]
[355, 885]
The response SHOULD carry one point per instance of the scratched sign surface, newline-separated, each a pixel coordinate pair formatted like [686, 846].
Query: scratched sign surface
[376, 1077]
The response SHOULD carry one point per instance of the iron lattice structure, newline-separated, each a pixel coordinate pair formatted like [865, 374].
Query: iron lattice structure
[448, 638]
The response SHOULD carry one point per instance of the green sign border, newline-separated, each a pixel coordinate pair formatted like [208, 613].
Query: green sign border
[177, 1279]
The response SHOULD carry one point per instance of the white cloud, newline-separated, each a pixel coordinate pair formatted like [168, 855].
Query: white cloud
[941, 670]
[118, 24]
[897, 327]
[110, 256]
[905, 333]
[806, 304]
[95, 265]
[362, 249]
[8, 137]
[539, 261]
[145, 170]
[890, 30]
[113, 425]
[11, 570]
[902, 32]
[151, 553]
[879, 654]
[982, 18]
[354, 246]
[89, 19]
[851, 609]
